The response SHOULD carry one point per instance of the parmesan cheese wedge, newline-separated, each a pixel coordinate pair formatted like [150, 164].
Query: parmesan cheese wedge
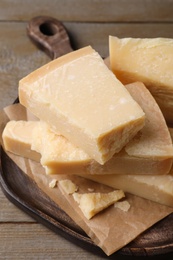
[80, 98]
[150, 152]
[149, 61]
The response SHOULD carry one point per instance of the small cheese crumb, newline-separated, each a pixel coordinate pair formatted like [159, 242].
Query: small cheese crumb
[92, 203]
[123, 205]
[53, 183]
[68, 186]
[77, 197]
[90, 189]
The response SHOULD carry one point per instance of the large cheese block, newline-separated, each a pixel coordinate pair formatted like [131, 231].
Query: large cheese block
[149, 61]
[158, 188]
[82, 99]
[154, 187]
[150, 152]
[59, 156]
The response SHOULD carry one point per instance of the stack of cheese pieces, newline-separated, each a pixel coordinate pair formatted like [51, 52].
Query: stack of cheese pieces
[92, 125]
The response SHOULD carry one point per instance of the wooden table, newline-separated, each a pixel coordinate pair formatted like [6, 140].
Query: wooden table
[88, 22]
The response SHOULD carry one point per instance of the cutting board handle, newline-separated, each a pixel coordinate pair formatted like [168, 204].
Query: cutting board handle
[50, 35]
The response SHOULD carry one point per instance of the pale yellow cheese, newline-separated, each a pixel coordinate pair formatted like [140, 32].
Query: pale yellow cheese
[149, 61]
[17, 138]
[93, 203]
[53, 183]
[68, 186]
[82, 99]
[158, 188]
[150, 152]
[154, 139]
[122, 205]
[59, 156]
[171, 132]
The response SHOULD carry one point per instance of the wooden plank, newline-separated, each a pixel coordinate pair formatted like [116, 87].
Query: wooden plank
[19, 56]
[28, 239]
[96, 34]
[10, 212]
[34, 241]
[89, 10]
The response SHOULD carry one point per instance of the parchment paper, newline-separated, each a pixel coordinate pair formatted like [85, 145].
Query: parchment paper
[111, 229]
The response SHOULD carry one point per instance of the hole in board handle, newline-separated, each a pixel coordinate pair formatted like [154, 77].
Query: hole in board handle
[48, 29]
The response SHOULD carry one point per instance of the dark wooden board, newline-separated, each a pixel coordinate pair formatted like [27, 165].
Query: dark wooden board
[24, 193]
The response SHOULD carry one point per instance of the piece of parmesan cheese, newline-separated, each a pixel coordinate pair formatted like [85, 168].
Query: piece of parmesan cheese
[68, 186]
[122, 205]
[53, 183]
[148, 60]
[150, 151]
[93, 203]
[92, 109]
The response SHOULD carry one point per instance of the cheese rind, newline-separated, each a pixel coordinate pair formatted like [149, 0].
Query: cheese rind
[17, 138]
[85, 102]
[149, 61]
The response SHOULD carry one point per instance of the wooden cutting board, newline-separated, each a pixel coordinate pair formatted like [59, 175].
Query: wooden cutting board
[50, 35]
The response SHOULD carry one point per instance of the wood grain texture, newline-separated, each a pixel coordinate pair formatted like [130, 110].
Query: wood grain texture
[34, 241]
[88, 22]
[96, 34]
[50, 35]
[89, 10]
[24, 192]
[18, 57]
[11, 213]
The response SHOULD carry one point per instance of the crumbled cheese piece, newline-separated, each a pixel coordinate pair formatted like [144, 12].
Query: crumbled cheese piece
[53, 183]
[90, 189]
[122, 205]
[68, 186]
[77, 197]
[92, 203]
